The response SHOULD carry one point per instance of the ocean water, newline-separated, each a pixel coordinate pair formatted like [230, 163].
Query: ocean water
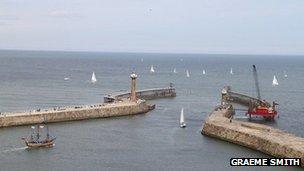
[152, 141]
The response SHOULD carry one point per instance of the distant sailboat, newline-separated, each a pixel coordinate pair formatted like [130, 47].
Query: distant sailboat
[182, 122]
[285, 75]
[204, 72]
[187, 73]
[275, 81]
[142, 59]
[231, 71]
[66, 78]
[174, 70]
[93, 79]
[152, 69]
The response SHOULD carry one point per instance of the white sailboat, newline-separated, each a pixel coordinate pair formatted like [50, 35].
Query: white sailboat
[182, 122]
[93, 79]
[152, 69]
[174, 71]
[187, 73]
[285, 75]
[231, 71]
[204, 72]
[275, 81]
[66, 78]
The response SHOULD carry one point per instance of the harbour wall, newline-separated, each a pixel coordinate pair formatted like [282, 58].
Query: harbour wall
[119, 108]
[147, 94]
[230, 96]
[269, 140]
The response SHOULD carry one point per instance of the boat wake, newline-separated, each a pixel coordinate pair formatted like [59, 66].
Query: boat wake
[14, 150]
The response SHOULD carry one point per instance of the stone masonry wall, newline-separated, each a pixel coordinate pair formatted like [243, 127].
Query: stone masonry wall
[255, 136]
[109, 110]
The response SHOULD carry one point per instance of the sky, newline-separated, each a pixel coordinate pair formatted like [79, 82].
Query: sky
[166, 26]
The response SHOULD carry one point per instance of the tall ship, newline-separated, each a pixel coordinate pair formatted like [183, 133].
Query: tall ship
[36, 138]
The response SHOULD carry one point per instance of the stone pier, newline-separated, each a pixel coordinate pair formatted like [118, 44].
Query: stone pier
[75, 113]
[147, 94]
[119, 107]
[259, 137]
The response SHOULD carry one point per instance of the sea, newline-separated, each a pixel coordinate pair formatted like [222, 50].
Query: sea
[153, 141]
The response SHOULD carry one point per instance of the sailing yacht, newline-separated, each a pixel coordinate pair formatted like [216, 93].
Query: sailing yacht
[285, 75]
[152, 69]
[174, 70]
[231, 71]
[187, 73]
[204, 72]
[275, 81]
[182, 122]
[93, 79]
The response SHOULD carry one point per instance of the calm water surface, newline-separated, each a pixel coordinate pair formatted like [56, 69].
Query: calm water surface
[152, 141]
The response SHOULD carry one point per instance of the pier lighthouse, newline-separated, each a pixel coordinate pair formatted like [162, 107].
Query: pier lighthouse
[133, 97]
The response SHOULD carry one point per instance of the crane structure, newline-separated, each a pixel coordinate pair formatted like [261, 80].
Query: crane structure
[261, 107]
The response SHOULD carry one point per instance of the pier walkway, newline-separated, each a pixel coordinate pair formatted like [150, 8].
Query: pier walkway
[147, 94]
[256, 136]
[102, 110]
[230, 96]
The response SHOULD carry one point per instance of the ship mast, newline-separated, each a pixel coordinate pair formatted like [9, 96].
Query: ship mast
[47, 132]
[38, 135]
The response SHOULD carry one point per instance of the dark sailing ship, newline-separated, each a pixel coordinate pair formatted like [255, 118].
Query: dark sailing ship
[35, 140]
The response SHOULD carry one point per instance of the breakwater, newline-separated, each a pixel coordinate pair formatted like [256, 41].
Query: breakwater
[229, 96]
[269, 140]
[146, 94]
[102, 110]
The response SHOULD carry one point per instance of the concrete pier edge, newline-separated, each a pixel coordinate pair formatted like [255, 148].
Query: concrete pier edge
[73, 114]
[256, 136]
[126, 105]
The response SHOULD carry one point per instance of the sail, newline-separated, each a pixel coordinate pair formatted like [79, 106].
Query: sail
[285, 74]
[174, 70]
[182, 118]
[152, 69]
[204, 72]
[275, 81]
[231, 71]
[187, 73]
[93, 80]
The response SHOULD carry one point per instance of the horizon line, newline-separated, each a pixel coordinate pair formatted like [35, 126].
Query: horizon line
[142, 52]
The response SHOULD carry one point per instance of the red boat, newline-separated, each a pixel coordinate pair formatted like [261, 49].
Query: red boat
[268, 112]
[261, 107]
